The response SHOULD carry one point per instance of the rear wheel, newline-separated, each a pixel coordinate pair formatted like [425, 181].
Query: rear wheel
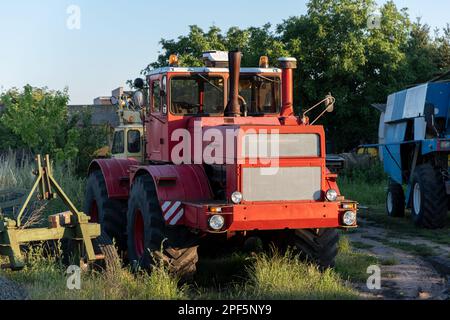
[395, 200]
[150, 241]
[319, 246]
[429, 198]
[109, 213]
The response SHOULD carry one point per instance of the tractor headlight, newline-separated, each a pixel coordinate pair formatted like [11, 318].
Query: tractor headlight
[236, 197]
[331, 195]
[349, 218]
[216, 222]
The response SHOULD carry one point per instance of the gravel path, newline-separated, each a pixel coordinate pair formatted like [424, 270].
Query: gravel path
[11, 291]
[411, 277]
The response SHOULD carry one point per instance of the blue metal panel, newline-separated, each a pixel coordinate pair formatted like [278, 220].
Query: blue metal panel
[395, 132]
[439, 95]
[392, 162]
[429, 146]
[399, 105]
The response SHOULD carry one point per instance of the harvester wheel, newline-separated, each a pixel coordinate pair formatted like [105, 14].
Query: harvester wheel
[319, 246]
[429, 198]
[395, 200]
[150, 242]
[110, 213]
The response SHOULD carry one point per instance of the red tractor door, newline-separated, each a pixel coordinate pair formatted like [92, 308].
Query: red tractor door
[157, 122]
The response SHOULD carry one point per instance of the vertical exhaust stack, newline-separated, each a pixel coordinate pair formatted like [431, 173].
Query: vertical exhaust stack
[287, 88]
[233, 108]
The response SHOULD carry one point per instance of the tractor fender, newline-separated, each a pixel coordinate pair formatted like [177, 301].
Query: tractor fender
[178, 182]
[116, 173]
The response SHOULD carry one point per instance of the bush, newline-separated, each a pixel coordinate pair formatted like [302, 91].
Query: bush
[37, 119]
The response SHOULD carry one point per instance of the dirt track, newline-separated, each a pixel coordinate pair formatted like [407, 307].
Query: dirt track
[407, 276]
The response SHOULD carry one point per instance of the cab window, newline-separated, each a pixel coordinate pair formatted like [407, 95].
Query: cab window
[198, 95]
[118, 143]
[156, 93]
[262, 94]
[134, 141]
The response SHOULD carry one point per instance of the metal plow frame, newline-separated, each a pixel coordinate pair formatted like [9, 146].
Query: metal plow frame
[72, 225]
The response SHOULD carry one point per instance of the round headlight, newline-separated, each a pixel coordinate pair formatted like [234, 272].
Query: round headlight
[331, 195]
[216, 222]
[236, 197]
[349, 218]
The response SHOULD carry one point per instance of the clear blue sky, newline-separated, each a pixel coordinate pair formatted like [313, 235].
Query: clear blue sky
[118, 38]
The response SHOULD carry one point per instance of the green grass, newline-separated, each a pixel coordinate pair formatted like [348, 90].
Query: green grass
[391, 261]
[353, 265]
[416, 249]
[362, 192]
[45, 278]
[280, 276]
[361, 245]
[367, 185]
[264, 276]
[404, 227]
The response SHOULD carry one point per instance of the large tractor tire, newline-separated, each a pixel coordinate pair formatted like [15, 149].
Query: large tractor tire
[395, 200]
[319, 246]
[152, 243]
[429, 198]
[109, 213]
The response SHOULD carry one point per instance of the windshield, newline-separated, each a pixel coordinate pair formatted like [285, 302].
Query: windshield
[197, 95]
[262, 94]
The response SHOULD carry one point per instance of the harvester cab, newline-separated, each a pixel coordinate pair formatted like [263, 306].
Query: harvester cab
[225, 158]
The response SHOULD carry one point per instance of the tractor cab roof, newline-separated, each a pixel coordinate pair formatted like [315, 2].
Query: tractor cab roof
[212, 70]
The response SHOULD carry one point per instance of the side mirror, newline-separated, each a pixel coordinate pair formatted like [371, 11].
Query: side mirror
[138, 99]
[329, 103]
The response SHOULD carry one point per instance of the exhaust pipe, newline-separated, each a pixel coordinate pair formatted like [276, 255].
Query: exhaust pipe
[287, 87]
[233, 108]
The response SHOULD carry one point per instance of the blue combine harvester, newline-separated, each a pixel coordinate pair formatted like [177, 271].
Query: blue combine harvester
[415, 147]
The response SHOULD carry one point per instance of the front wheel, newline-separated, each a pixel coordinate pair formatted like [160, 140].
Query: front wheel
[319, 246]
[429, 198]
[395, 200]
[150, 241]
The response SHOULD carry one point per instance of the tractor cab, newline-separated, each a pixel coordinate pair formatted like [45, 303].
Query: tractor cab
[179, 95]
[203, 91]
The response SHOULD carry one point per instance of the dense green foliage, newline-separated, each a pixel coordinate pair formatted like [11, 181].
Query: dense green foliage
[37, 119]
[337, 52]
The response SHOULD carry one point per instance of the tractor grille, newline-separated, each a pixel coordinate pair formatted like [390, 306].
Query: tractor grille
[288, 184]
[286, 145]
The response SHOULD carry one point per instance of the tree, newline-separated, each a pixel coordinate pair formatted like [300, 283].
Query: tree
[338, 51]
[39, 117]
[253, 42]
[443, 50]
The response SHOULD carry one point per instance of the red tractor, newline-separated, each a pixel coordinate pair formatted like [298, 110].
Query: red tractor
[207, 175]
